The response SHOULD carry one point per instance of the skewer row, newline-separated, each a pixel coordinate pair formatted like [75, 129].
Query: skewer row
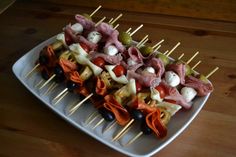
[107, 116]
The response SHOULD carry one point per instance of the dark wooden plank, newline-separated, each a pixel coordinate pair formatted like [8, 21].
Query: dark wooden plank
[204, 9]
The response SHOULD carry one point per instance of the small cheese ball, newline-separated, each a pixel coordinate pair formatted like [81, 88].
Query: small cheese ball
[172, 78]
[111, 50]
[77, 27]
[150, 70]
[131, 62]
[188, 93]
[94, 37]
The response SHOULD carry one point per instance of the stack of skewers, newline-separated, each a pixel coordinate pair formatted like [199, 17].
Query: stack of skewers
[126, 81]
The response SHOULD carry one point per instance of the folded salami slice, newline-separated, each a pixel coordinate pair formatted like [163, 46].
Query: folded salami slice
[121, 114]
[201, 87]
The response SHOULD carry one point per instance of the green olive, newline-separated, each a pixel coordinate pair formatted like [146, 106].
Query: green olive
[125, 38]
[203, 78]
[146, 50]
[164, 58]
[188, 70]
[87, 16]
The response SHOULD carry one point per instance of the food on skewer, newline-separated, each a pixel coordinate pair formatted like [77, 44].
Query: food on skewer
[155, 92]
[110, 51]
[115, 72]
[146, 130]
[173, 80]
[148, 69]
[60, 43]
[134, 82]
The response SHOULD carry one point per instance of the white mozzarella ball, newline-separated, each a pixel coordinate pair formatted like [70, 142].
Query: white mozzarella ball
[111, 50]
[172, 78]
[131, 62]
[150, 70]
[94, 37]
[77, 27]
[188, 93]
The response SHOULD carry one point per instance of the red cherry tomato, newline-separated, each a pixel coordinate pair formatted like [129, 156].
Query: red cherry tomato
[85, 47]
[138, 86]
[119, 70]
[171, 101]
[161, 90]
[99, 61]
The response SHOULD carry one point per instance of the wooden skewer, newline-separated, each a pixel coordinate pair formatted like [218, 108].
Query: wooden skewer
[119, 16]
[110, 127]
[31, 71]
[50, 88]
[49, 80]
[128, 30]
[192, 57]
[141, 41]
[73, 109]
[116, 26]
[173, 48]
[123, 133]
[144, 42]
[212, 72]
[181, 56]
[157, 44]
[100, 21]
[157, 48]
[94, 118]
[95, 11]
[110, 20]
[196, 65]
[133, 139]
[131, 34]
[61, 97]
[166, 52]
[122, 130]
[100, 122]
[138, 135]
[90, 116]
[60, 94]
[38, 84]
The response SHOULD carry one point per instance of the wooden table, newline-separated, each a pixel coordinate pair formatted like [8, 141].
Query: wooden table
[28, 128]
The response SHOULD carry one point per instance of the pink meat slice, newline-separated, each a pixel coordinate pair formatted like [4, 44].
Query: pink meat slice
[173, 94]
[145, 78]
[71, 37]
[86, 23]
[113, 40]
[114, 60]
[179, 69]
[158, 65]
[201, 87]
[110, 36]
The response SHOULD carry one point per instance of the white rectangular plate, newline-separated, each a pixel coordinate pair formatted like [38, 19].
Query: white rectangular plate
[144, 146]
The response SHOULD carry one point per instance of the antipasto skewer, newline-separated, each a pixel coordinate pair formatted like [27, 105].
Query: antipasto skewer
[170, 80]
[56, 45]
[145, 130]
[73, 109]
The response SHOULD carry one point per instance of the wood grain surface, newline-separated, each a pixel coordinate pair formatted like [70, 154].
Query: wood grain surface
[28, 128]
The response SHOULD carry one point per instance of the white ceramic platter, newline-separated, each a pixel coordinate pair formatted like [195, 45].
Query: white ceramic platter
[144, 146]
